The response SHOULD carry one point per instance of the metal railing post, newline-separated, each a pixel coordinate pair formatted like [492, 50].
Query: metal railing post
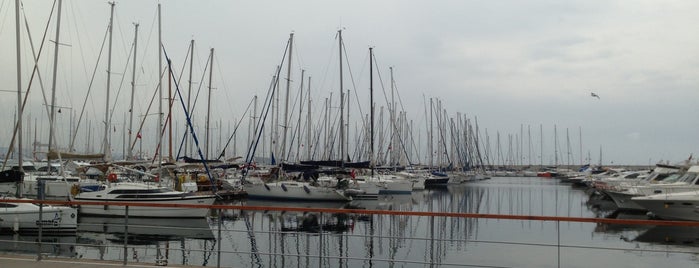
[220, 223]
[320, 238]
[126, 234]
[431, 241]
[40, 195]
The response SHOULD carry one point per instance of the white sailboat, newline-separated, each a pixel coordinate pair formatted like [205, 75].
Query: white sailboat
[144, 193]
[29, 217]
[294, 190]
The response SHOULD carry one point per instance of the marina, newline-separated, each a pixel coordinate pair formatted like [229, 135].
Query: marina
[330, 134]
[279, 238]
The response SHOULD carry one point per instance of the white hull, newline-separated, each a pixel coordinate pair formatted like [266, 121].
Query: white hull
[151, 212]
[677, 206]
[24, 217]
[142, 193]
[623, 200]
[292, 190]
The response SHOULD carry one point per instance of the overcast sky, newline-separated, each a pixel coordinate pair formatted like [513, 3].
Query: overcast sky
[511, 64]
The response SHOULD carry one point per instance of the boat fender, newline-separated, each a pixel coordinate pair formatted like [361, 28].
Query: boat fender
[112, 177]
[74, 190]
[305, 188]
[266, 186]
[284, 187]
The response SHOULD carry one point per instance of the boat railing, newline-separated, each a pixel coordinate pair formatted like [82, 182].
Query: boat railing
[433, 239]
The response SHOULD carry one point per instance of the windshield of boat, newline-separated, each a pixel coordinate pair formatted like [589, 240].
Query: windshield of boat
[687, 177]
[139, 191]
[666, 178]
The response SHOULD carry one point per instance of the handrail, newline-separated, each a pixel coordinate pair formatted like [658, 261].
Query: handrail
[370, 212]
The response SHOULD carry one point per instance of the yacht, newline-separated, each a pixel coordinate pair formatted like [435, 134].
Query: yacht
[144, 193]
[672, 206]
[23, 217]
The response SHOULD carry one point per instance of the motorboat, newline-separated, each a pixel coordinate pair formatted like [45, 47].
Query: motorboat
[656, 183]
[672, 206]
[29, 217]
[144, 193]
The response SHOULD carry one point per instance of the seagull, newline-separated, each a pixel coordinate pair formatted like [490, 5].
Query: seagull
[594, 95]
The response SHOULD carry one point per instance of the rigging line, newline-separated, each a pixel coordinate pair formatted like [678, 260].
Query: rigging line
[189, 121]
[31, 80]
[296, 130]
[89, 89]
[252, 149]
[171, 101]
[392, 109]
[223, 82]
[77, 14]
[201, 83]
[121, 83]
[121, 30]
[236, 128]
[349, 69]
[152, 99]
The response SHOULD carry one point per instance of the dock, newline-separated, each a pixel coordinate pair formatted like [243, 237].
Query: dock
[28, 261]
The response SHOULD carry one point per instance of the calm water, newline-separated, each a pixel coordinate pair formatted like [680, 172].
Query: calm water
[395, 241]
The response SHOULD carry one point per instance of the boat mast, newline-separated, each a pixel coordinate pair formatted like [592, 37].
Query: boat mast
[308, 122]
[298, 136]
[392, 125]
[189, 96]
[52, 114]
[342, 105]
[208, 103]
[286, 102]
[133, 88]
[371, 108]
[159, 137]
[430, 130]
[19, 89]
[105, 141]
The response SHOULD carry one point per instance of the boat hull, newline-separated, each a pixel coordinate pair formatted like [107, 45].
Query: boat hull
[679, 206]
[150, 212]
[293, 191]
[26, 219]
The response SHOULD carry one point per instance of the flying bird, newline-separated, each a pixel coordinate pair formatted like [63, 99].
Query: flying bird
[594, 95]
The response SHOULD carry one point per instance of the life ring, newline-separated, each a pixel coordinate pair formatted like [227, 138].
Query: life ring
[112, 177]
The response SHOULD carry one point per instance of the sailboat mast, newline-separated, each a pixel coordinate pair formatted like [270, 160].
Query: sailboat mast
[371, 107]
[159, 137]
[308, 123]
[133, 89]
[19, 89]
[53, 84]
[298, 136]
[286, 102]
[189, 96]
[208, 104]
[109, 77]
[342, 105]
[393, 122]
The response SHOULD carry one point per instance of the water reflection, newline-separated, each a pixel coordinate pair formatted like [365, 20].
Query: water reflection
[52, 246]
[147, 239]
[297, 239]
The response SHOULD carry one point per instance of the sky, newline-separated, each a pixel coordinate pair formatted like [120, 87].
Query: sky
[521, 68]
